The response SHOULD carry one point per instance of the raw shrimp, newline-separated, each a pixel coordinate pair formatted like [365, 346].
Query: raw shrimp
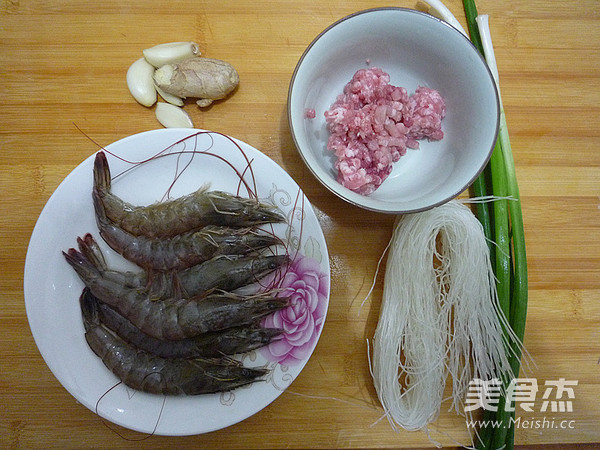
[222, 273]
[176, 318]
[227, 273]
[183, 250]
[187, 213]
[229, 341]
[150, 373]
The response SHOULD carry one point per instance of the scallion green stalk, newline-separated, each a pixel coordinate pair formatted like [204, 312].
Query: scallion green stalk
[512, 279]
[518, 304]
[480, 189]
[520, 288]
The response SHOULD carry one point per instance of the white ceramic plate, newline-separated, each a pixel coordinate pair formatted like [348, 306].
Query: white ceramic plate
[52, 288]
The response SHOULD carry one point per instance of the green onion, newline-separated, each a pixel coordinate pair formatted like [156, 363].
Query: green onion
[518, 304]
[510, 258]
[479, 188]
[520, 287]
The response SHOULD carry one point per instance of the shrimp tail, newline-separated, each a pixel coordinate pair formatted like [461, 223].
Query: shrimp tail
[90, 249]
[90, 315]
[102, 181]
[83, 266]
[88, 262]
[89, 309]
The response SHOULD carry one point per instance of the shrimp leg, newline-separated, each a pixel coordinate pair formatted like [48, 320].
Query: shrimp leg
[229, 341]
[172, 217]
[143, 371]
[177, 318]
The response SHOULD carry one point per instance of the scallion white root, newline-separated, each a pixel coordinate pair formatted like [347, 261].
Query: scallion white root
[439, 10]
[439, 316]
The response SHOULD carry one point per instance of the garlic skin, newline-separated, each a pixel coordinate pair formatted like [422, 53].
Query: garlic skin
[171, 116]
[141, 83]
[171, 52]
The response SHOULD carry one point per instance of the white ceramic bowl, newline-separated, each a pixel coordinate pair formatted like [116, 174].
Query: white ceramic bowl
[415, 49]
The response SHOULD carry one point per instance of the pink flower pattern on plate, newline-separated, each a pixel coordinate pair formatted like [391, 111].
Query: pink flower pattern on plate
[308, 289]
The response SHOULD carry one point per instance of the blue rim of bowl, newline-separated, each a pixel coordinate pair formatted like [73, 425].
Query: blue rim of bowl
[430, 17]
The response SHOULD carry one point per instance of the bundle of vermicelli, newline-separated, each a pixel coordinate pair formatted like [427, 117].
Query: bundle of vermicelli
[439, 316]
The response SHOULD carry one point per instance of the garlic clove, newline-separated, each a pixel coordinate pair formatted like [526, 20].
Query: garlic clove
[141, 83]
[171, 116]
[170, 98]
[171, 52]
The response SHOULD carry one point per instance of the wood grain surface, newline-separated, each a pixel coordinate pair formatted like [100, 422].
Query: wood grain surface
[62, 74]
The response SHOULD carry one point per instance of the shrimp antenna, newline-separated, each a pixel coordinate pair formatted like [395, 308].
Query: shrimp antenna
[100, 146]
[107, 424]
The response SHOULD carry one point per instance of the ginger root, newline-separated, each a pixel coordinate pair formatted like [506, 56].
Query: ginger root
[204, 78]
